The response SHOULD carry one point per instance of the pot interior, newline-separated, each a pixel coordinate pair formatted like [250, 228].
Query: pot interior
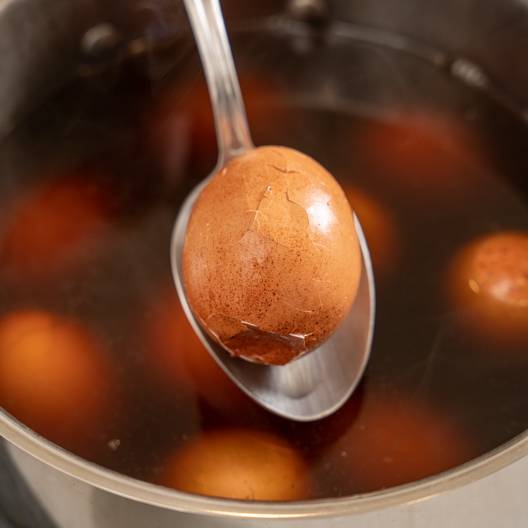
[430, 150]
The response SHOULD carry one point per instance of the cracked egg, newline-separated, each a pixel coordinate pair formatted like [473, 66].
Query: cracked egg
[271, 260]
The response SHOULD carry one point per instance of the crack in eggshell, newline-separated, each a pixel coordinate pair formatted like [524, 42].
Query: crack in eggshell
[284, 218]
[281, 220]
[269, 249]
[300, 309]
[266, 347]
[244, 335]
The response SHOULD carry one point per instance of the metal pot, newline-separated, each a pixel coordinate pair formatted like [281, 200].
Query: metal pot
[43, 43]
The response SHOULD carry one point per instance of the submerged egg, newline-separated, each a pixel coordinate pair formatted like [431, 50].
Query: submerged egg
[380, 229]
[421, 154]
[55, 225]
[271, 261]
[489, 279]
[394, 440]
[179, 362]
[182, 131]
[238, 463]
[54, 377]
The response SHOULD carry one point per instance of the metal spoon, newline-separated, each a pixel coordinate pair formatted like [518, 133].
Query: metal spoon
[318, 383]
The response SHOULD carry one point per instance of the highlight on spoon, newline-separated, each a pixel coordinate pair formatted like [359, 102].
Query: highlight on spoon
[230, 119]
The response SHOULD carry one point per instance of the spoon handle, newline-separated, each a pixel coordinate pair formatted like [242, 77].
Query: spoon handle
[209, 30]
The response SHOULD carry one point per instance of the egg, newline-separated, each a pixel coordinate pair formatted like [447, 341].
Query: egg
[182, 132]
[54, 376]
[271, 260]
[419, 154]
[394, 440]
[178, 360]
[238, 463]
[52, 225]
[380, 229]
[488, 280]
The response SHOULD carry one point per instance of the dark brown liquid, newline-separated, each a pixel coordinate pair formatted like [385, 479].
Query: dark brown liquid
[422, 353]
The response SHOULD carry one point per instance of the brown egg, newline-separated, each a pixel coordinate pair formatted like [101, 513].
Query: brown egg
[182, 132]
[179, 362]
[271, 261]
[394, 440]
[54, 377]
[238, 463]
[489, 277]
[382, 235]
[421, 154]
[54, 225]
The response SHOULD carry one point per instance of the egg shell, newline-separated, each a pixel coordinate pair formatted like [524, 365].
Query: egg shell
[381, 232]
[238, 463]
[54, 226]
[179, 362]
[271, 261]
[394, 440]
[181, 130]
[420, 155]
[55, 377]
[488, 279]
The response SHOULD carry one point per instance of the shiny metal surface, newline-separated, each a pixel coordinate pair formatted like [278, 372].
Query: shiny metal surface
[485, 493]
[317, 384]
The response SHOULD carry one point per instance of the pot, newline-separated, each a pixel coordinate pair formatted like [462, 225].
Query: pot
[479, 46]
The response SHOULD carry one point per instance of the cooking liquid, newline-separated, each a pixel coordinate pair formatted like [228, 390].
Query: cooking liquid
[110, 125]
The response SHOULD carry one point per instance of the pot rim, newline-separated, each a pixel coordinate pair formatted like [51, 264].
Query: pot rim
[115, 483]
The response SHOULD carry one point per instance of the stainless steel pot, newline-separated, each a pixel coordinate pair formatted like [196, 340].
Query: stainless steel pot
[65, 491]
[45, 42]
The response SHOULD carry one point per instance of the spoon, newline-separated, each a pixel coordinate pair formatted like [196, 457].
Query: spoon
[318, 383]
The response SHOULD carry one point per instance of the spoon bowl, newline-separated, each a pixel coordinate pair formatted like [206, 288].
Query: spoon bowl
[318, 383]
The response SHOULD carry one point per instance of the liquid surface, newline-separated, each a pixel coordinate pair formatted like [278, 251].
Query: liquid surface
[432, 165]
